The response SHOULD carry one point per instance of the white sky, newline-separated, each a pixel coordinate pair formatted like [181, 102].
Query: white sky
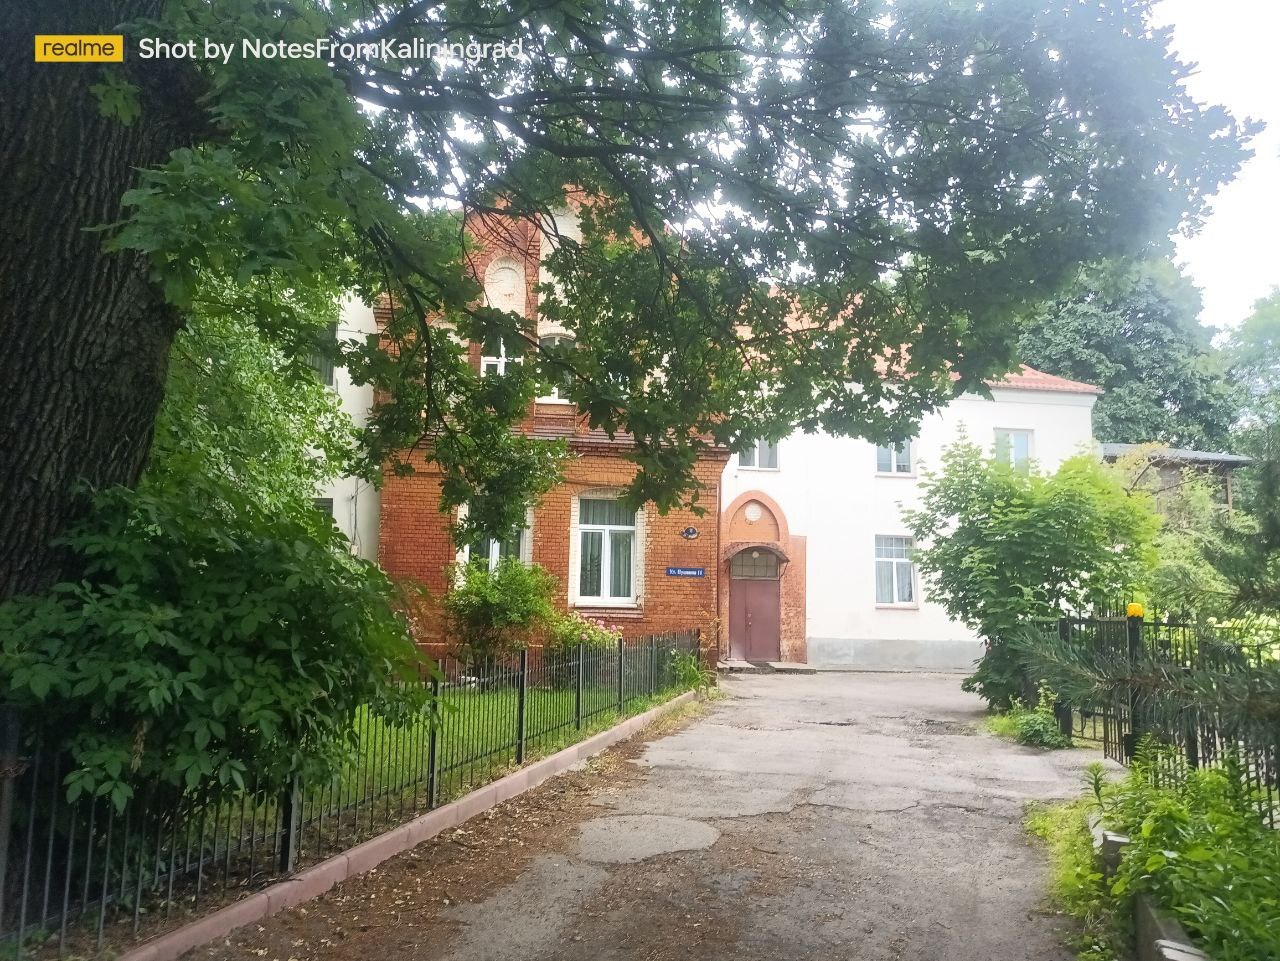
[1235, 259]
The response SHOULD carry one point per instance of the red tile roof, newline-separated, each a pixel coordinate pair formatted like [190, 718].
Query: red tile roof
[1028, 378]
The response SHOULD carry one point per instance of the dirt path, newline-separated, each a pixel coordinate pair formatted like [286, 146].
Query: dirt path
[836, 816]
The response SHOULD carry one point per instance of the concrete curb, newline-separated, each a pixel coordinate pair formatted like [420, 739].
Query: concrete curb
[1158, 935]
[316, 880]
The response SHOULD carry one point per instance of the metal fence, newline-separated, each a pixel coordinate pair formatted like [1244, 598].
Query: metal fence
[78, 878]
[1198, 734]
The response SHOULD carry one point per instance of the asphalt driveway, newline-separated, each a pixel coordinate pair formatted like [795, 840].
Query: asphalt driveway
[830, 816]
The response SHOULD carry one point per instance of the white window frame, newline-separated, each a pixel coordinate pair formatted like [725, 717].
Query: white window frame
[754, 453]
[553, 397]
[495, 546]
[1009, 433]
[500, 360]
[463, 553]
[576, 528]
[895, 459]
[895, 563]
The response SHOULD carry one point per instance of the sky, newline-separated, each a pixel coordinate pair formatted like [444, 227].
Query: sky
[1235, 258]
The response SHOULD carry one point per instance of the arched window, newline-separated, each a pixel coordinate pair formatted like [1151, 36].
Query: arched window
[504, 289]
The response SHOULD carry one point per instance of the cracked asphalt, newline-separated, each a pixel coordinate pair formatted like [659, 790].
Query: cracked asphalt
[828, 816]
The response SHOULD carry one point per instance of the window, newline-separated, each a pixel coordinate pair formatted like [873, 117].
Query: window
[763, 455]
[496, 354]
[1013, 447]
[322, 361]
[606, 551]
[759, 565]
[895, 459]
[493, 550]
[558, 387]
[895, 572]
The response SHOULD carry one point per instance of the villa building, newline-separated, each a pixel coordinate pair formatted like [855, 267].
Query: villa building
[802, 554]
[817, 559]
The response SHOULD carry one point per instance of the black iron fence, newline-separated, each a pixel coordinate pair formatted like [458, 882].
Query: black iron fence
[1185, 686]
[80, 878]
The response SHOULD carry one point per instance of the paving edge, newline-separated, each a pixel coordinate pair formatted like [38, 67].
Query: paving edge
[1158, 935]
[314, 881]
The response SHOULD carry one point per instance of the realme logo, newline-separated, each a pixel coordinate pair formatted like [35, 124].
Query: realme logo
[79, 48]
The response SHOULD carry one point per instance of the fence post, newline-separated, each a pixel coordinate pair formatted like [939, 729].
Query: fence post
[433, 745]
[1133, 631]
[11, 768]
[577, 694]
[290, 825]
[522, 705]
[653, 664]
[621, 667]
[1062, 709]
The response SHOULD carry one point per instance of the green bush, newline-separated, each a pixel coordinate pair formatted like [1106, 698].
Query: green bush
[1034, 726]
[1000, 545]
[496, 613]
[211, 640]
[1201, 850]
[564, 632]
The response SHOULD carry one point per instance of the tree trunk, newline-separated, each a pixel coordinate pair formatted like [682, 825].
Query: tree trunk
[84, 335]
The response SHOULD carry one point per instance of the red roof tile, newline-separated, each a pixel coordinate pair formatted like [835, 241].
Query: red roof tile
[1028, 378]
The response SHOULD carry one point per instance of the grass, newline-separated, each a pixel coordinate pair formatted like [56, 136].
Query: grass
[1076, 884]
[1002, 725]
[476, 739]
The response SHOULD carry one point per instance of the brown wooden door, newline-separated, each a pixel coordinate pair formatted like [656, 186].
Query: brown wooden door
[754, 619]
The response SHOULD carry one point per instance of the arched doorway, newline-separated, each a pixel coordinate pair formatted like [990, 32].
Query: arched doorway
[755, 608]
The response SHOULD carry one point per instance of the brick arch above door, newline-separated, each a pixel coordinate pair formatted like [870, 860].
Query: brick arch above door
[735, 526]
[771, 531]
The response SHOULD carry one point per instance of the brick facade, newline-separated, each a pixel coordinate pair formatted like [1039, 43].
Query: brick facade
[416, 544]
[415, 541]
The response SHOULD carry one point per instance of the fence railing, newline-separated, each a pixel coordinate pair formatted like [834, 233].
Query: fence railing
[1198, 732]
[76, 878]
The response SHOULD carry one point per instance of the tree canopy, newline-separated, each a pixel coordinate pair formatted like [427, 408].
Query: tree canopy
[905, 176]
[1253, 352]
[1133, 330]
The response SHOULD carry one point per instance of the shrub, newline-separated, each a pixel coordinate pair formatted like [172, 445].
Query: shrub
[1201, 850]
[565, 632]
[210, 636]
[495, 613]
[1035, 726]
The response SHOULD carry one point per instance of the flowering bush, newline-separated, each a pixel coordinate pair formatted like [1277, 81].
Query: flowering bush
[567, 631]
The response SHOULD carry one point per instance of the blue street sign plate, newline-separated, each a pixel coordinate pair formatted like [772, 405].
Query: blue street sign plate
[686, 572]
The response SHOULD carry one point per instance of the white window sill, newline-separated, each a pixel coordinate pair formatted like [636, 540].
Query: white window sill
[763, 470]
[552, 400]
[897, 607]
[593, 604]
[881, 473]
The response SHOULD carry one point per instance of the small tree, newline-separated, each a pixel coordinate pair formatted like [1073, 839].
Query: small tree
[1194, 522]
[1003, 544]
[493, 613]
